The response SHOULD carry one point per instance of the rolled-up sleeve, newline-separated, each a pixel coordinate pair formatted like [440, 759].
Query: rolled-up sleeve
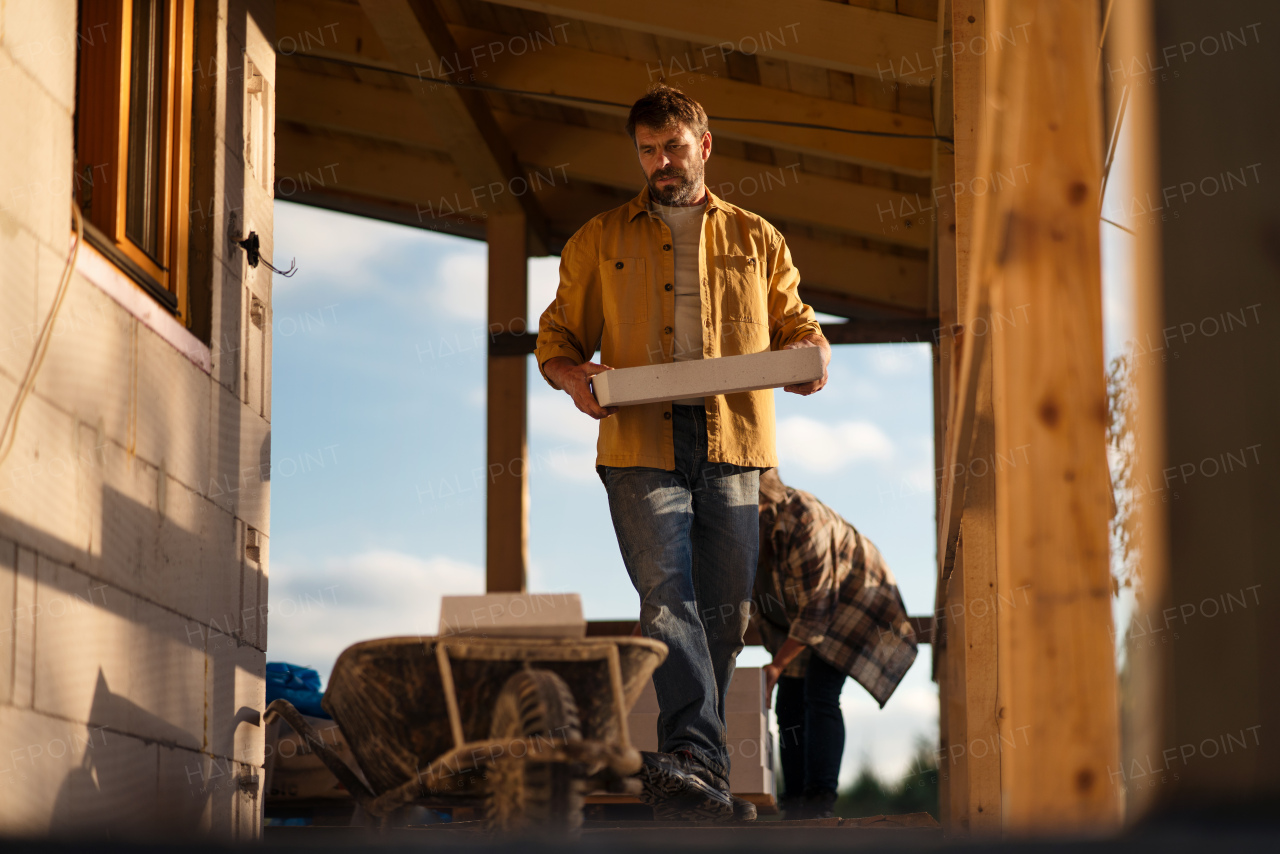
[573, 323]
[790, 319]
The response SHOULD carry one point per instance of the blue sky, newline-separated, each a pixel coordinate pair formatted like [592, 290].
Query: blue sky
[378, 399]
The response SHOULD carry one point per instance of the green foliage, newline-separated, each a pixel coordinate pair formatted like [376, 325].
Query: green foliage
[914, 791]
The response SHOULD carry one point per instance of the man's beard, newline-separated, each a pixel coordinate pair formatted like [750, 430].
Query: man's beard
[683, 191]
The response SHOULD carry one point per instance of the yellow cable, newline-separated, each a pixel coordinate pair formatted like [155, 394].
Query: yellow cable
[10, 430]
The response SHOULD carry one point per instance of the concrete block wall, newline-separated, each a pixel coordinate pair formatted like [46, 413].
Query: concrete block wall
[132, 616]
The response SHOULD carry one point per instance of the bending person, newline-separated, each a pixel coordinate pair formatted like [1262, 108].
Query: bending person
[827, 607]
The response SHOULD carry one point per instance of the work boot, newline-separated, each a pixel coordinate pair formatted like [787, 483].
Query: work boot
[743, 810]
[819, 803]
[679, 788]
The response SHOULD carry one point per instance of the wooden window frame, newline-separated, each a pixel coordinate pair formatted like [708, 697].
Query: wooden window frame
[102, 144]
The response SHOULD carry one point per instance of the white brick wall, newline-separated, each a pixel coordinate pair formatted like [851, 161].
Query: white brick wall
[132, 626]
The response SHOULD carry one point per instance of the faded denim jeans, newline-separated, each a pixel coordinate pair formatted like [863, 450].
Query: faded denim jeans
[689, 539]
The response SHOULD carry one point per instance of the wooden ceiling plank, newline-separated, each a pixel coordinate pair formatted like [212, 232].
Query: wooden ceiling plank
[816, 32]
[783, 191]
[583, 73]
[420, 188]
[416, 37]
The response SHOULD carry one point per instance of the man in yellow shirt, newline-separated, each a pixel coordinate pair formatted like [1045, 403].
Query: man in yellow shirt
[677, 274]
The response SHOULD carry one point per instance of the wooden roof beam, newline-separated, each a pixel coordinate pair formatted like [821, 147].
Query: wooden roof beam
[816, 32]
[587, 74]
[415, 36]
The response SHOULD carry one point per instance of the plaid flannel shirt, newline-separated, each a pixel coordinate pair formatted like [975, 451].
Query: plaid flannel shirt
[827, 586]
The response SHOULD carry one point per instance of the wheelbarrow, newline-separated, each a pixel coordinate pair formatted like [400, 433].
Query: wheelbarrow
[525, 725]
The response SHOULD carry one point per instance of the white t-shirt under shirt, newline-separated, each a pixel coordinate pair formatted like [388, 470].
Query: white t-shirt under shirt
[686, 232]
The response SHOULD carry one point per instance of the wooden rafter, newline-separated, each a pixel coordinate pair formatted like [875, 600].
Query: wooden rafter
[816, 32]
[579, 153]
[416, 37]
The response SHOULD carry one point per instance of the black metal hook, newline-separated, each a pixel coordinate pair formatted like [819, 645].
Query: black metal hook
[250, 247]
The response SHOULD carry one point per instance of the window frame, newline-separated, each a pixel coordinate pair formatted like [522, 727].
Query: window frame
[102, 143]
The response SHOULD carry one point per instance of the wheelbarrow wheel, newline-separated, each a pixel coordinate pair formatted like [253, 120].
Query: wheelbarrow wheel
[529, 796]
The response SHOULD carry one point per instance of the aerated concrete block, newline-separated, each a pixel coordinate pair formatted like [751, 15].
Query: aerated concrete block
[704, 377]
[530, 615]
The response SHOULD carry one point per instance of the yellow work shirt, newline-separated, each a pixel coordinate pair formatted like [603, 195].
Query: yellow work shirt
[617, 296]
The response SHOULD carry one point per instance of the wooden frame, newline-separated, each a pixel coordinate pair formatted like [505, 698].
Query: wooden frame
[102, 143]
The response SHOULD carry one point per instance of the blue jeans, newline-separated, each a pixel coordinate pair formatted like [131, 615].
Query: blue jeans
[689, 539]
[811, 729]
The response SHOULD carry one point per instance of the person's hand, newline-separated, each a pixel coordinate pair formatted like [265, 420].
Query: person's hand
[575, 380]
[771, 674]
[816, 385]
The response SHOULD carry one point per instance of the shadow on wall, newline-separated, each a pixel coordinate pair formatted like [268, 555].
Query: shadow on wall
[166, 710]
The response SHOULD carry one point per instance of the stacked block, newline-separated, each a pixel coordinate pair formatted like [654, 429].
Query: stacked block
[750, 743]
[513, 615]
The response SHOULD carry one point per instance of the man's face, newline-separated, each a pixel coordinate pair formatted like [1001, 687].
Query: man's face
[673, 160]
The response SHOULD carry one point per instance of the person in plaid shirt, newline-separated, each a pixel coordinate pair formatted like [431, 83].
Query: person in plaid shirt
[827, 607]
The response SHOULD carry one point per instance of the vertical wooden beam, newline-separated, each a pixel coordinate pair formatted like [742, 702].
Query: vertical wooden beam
[1038, 251]
[1149, 728]
[982, 805]
[507, 499]
[957, 757]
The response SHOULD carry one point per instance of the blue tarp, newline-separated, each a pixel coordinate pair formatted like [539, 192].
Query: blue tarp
[298, 685]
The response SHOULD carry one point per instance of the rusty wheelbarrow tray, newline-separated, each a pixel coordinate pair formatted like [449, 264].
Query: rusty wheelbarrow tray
[525, 723]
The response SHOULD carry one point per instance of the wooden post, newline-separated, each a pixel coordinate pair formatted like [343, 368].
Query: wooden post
[955, 761]
[1037, 249]
[507, 498]
[981, 812]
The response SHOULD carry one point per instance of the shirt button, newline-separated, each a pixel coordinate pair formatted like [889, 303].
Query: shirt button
[667, 416]
[668, 287]
[618, 265]
[666, 247]
[666, 329]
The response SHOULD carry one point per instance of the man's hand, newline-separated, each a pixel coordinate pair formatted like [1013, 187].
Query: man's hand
[771, 674]
[575, 380]
[816, 385]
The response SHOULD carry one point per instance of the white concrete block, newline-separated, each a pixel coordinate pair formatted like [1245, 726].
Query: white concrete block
[185, 802]
[751, 780]
[8, 592]
[643, 728]
[40, 37]
[89, 367]
[172, 428]
[18, 327]
[746, 691]
[236, 691]
[105, 657]
[542, 615]
[35, 175]
[240, 465]
[648, 701]
[703, 377]
[24, 629]
[63, 778]
[746, 725]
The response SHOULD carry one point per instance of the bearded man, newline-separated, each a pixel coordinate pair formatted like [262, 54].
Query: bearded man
[678, 274]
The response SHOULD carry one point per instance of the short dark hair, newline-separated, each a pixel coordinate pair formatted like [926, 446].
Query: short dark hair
[664, 106]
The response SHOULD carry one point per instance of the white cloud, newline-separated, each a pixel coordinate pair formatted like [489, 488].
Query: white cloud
[461, 286]
[566, 446]
[544, 279]
[338, 247]
[895, 360]
[317, 611]
[818, 447]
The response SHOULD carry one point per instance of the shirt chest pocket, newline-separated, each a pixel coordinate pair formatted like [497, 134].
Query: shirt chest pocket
[624, 289]
[741, 284]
